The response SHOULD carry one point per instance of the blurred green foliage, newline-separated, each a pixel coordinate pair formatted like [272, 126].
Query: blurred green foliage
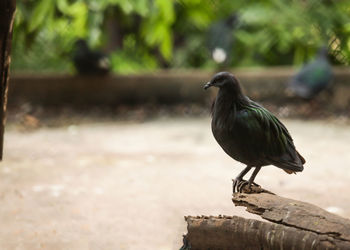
[144, 35]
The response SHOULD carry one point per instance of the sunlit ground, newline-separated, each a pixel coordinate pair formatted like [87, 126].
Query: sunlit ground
[127, 185]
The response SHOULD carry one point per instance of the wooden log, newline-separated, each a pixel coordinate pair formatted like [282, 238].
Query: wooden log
[239, 233]
[290, 224]
[295, 213]
[7, 10]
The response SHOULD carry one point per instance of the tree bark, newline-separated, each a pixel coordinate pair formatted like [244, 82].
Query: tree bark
[7, 10]
[291, 224]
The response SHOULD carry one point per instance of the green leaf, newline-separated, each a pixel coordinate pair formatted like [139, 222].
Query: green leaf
[166, 10]
[167, 45]
[42, 12]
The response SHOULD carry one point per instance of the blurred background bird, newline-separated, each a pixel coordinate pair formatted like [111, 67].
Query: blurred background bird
[220, 38]
[313, 77]
[89, 62]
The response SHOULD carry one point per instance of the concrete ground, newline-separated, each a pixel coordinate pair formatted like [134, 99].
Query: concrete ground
[124, 185]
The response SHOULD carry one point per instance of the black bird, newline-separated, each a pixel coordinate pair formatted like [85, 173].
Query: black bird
[89, 62]
[220, 38]
[313, 77]
[248, 132]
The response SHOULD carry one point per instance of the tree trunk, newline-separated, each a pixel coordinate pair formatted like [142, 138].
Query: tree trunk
[291, 225]
[7, 10]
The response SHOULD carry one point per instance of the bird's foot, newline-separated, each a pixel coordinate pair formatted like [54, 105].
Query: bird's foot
[236, 183]
[244, 187]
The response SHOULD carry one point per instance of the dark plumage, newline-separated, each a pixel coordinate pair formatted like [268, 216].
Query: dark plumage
[88, 62]
[220, 38]
[248, 132]
[313, 77]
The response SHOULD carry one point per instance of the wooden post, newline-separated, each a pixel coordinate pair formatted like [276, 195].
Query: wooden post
[7, 10]
[290, 224]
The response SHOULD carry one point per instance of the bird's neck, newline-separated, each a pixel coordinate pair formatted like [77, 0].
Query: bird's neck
[232, 97]
[227, 104]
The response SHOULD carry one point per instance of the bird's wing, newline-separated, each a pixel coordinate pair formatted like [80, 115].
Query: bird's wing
[315, 73]
[270, 141]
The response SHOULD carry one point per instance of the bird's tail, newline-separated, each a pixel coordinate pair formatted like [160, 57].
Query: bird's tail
[301, 158]
[289, 171]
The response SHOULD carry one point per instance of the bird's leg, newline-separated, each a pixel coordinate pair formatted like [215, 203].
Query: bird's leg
[252, 177]
[241, 184]
[239, 177]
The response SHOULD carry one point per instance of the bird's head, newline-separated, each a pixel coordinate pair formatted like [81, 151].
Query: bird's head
[81, 44]
[224, 80]
[232, 20]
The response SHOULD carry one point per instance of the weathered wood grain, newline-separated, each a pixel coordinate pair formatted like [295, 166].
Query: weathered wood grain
[290, 224]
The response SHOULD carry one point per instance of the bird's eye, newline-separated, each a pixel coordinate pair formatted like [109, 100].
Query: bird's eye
[218, 80]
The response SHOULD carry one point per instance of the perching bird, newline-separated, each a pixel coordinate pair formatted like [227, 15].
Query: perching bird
[248, 132]
[313, 77]
[88, 62]
[220, 38]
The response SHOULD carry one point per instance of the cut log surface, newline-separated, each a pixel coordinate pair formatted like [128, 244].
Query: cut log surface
[295, 213]
[290, 224]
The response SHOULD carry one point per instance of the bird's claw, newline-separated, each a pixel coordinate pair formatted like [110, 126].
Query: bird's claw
[239, 185]
[235, 184]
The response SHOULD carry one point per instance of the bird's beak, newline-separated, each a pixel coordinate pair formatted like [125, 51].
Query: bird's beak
[208, 85]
